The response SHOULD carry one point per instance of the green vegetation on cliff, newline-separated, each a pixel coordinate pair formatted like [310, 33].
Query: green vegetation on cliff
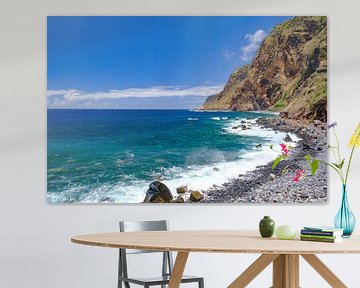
[288, 73]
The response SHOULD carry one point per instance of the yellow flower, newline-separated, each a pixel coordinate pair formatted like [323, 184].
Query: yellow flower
[355, 138]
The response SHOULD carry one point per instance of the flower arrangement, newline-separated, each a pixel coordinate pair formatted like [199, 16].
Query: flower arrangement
[313, 164]
[339, 163]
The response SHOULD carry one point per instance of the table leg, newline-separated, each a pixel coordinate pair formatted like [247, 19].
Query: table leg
[286, 271]
[178, 270]
[324, 271]
[253, 270]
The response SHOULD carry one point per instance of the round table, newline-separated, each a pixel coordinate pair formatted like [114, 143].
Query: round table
[284, 254]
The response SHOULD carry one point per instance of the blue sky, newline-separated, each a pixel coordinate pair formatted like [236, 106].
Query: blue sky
[146, 62]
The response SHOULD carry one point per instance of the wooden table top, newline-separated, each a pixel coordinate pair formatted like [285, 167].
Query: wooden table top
[217, 241]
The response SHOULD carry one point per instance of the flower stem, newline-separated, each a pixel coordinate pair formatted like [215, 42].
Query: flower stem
[338, 144]
[339, 155]
[348, 167]
[336, 169]
[350, 159]
[333, 152]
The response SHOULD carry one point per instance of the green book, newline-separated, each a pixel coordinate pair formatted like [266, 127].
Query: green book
[319, 236]
[324, 240]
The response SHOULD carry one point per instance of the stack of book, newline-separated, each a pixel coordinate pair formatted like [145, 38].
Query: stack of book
[321, 234]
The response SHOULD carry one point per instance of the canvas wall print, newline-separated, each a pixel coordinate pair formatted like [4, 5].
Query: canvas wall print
[165, 109]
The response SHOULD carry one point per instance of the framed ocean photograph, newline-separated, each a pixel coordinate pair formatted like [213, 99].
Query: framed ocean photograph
[186, 109]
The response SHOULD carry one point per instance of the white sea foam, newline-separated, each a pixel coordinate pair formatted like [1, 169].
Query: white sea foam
[215, 118]
[253, 130]
[192, 119]
[194, 176]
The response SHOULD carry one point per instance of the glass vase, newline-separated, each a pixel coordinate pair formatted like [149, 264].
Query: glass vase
[345, 219]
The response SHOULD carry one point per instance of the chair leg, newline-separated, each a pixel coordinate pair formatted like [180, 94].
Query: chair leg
[201, 283]
[120, 270]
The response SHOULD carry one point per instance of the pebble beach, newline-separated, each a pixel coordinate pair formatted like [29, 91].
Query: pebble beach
[265, 185]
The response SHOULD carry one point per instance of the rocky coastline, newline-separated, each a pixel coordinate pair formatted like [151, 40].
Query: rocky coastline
[265, 185]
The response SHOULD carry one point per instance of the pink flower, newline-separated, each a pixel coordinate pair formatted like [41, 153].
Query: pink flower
[284, 149]
[298, 175]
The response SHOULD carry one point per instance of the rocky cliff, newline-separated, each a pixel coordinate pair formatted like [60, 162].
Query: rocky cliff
[288, 73]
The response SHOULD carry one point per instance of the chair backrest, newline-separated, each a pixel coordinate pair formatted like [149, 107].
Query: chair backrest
[134, 226]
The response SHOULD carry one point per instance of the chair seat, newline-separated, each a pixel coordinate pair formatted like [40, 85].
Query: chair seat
[158, 280]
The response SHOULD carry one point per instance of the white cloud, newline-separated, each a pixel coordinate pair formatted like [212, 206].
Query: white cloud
[247, 52]
[229, 54]
[73, 97]
[51, 93]
[253, 45]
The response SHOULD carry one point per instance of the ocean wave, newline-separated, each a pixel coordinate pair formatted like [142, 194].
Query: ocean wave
[253, 130]
[204, 156]
[192, 119]
[130, 192]
[196, 177]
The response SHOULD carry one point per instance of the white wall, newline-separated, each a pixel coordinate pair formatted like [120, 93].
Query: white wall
[35, 248]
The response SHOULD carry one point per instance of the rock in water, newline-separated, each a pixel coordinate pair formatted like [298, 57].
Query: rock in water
[165, 192]
[157, 200]
[152, 193]
[196, 196]
[106, 199]
[157, 193]
[181, 189]
[179, 199]
[288, 138]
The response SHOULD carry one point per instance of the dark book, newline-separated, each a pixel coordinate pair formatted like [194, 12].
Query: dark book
[321, 233]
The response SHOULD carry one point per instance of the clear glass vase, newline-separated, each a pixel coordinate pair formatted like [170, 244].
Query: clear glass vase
[345, 219]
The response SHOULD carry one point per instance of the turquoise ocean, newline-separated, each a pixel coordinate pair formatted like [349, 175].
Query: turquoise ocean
[94, 155]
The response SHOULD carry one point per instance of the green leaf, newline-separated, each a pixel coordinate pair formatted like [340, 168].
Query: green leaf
[308, 158]
[342, 163]
[314, 167]
[339, 166]
[276, 162]
[285, 170]
[335, 164]
[271, 146]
